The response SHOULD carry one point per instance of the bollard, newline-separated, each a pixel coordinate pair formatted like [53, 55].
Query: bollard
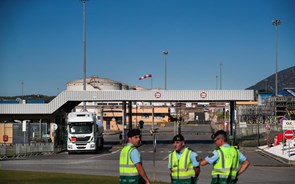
[276, 141]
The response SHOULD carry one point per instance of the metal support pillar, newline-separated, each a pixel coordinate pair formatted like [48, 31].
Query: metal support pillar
[124, 122]
[232, 122]
[130, 114]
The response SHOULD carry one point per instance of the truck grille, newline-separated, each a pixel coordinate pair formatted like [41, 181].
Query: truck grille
[83, 138]
[81, 147]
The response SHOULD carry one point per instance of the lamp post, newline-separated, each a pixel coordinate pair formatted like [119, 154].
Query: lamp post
[221, 75]
[216, 82]
[276, 23]
[84, 43]
[165, 53]
[22, 90]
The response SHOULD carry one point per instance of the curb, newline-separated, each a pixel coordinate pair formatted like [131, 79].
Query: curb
[275, 157]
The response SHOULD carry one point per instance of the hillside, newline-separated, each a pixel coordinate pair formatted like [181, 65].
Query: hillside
[286, 79]
[46, 99]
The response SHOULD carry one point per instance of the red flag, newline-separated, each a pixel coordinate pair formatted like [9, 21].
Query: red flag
[145, 76]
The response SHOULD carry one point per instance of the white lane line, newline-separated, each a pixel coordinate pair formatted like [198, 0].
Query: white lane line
[104, 155]
[166, 158]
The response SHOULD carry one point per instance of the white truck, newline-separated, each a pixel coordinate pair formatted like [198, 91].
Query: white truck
[85, 133]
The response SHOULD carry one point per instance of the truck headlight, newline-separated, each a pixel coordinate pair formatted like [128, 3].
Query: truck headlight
[70, 147]
[92, 145]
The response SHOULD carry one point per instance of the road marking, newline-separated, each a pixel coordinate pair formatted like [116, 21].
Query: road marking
[166, 158]
[104, 155]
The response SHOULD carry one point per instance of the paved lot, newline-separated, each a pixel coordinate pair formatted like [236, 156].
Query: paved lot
[262, 169]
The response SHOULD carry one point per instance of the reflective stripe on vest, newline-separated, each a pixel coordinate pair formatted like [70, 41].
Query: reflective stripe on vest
[228, 162]
[182, 168]
[127, 167]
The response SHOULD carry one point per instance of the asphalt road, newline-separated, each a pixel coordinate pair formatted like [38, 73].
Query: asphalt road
[262, 169]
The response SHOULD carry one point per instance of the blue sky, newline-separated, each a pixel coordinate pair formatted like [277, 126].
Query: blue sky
[42, 42]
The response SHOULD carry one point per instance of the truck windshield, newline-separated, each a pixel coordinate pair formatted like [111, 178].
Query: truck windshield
[80, 128]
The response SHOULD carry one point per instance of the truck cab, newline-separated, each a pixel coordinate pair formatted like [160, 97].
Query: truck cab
[85, 133]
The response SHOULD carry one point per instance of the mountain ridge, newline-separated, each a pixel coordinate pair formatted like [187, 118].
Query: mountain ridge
[286, 80]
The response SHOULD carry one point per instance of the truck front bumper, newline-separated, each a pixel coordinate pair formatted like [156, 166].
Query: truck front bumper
[81, 147]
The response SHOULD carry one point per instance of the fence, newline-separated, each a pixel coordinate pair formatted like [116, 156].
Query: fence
[257, 134]
[20, 150]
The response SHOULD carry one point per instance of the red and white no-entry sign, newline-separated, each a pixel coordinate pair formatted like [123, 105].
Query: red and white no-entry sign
[203, 94]
[289, 134]
[158, 95]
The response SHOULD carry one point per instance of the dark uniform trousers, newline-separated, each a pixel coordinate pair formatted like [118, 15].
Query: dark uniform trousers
[187, 181]
[131, 180]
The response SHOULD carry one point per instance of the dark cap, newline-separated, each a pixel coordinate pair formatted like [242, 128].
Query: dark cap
[219, 132]
[133, 132]
[178, 137]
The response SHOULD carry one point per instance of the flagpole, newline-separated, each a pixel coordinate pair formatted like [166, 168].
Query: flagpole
[147, 76]
[151, 83]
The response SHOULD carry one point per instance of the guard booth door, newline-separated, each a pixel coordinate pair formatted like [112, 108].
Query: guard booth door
[108, 123]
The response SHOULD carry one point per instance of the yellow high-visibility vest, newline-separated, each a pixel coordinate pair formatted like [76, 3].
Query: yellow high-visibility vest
[228, 162]
[127, 167]
[181, 168]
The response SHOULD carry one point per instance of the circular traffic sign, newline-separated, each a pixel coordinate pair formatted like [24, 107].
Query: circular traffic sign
[282, 119]
[203, 94]
[289, 134]
[158, 95]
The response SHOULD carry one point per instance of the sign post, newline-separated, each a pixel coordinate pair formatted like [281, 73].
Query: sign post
[289, 134]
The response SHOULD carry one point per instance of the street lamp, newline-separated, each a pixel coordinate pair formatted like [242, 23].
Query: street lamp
[84, 43]
[276, 23]
[165, 53]
[216, 82]
[22, 90]
[221, 76]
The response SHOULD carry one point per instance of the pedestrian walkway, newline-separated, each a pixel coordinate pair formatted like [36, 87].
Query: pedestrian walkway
[284, 153]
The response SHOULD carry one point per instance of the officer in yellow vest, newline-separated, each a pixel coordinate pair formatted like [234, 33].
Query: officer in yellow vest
[131, 169]
[183, 163]
[228, 162]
